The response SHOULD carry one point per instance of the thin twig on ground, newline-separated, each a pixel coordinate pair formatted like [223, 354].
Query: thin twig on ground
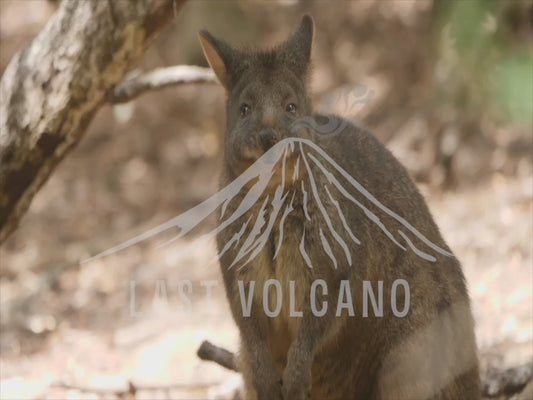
[130, 389]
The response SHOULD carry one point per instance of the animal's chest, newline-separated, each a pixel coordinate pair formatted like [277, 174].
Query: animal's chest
[289, 267]
[280, 274]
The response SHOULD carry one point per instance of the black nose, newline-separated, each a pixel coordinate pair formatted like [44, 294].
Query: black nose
[268, 138]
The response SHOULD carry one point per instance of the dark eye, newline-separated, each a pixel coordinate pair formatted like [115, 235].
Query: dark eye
[245, 109]
[290, 108]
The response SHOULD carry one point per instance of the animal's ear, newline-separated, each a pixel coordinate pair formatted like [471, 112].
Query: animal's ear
[299, 45]
[220, 56]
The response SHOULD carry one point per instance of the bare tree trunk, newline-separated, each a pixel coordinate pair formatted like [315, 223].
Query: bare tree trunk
[51, 90]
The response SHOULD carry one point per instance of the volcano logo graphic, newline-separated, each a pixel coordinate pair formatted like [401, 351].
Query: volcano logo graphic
[307, 160]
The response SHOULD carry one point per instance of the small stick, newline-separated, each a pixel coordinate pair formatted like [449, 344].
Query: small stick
[131, 389]
[223, 357]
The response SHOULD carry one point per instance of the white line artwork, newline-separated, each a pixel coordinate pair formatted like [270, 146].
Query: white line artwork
[308, 160]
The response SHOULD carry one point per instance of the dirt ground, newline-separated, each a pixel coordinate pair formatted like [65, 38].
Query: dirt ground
[79, 328]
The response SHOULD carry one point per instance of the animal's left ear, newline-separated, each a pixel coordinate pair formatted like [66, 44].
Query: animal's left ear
[298, 46]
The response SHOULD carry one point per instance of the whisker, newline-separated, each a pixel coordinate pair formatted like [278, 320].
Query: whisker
[327, 249]
[341, 216]
[323, 211]
[304, 204]
[288, 210]
[418, 252]
[374, 218]
[303, 252]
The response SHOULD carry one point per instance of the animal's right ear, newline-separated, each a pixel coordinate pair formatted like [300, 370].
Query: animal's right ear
[220, 57]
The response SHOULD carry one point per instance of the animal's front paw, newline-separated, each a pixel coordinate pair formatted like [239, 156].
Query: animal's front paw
[271, 391]
[297, 392]
[296, 385]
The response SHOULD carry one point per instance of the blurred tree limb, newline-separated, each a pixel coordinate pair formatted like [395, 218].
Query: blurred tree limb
[51, 90]
[159, 79]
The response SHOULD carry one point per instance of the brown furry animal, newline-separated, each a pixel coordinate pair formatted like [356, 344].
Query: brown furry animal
[337, 276]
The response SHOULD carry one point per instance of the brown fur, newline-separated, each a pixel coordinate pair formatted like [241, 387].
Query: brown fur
[430, 353]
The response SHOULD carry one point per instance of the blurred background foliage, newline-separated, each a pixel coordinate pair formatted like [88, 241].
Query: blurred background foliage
[490, 38]
[447, 85]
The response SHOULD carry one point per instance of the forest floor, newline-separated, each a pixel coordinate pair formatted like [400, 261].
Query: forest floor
[86, 326]
[103, 324]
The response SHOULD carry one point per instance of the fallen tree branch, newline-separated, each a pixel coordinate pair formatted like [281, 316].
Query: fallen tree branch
[51, 90]
[159, 79]
[510, 381]
[130, 389]
[223, 357]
